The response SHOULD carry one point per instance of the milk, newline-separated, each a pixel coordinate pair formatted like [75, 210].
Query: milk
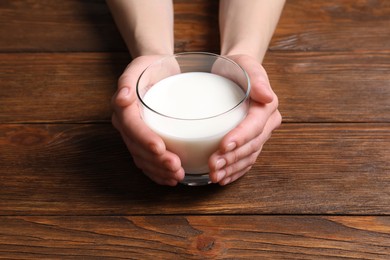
[194, 111]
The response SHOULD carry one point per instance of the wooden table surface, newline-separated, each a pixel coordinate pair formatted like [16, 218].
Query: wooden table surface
[69, 188]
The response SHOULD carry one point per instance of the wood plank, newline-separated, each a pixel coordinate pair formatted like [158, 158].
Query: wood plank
[196, 26]
[333, 25]
[49, 25]
[35, 86]
[72, 25]
[331, 87]
[311, 86]
[57, 26]
[195, 237]
[81, 169]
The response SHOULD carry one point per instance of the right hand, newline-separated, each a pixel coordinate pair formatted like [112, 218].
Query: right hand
[146, 147]
[240, 148]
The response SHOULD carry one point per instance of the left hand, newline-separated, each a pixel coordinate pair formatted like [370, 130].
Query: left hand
[240, 148]
[148, 150]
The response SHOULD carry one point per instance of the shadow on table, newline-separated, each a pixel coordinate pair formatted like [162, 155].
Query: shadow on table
[103, 169]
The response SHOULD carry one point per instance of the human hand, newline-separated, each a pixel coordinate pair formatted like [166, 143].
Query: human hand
[240, 148]
[147, 148]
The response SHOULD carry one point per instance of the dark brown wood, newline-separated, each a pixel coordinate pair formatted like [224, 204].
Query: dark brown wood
[335, 87]
[73, 25]
[333, 25]
[49, 25]
[196, 26]
[319, 190]
[87, 26]
[304, 169]
[331, 86]
[35, 86]
[195, 237]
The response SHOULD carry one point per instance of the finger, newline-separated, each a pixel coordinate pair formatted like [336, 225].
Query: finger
[123, 97]
[239, 155]
[254, 145]
[252, 126]
[234, 177]
[224, 165]
[161, 181]
[232, 169]
[261, 90]
[132, 124]
[132, 72]
[167, 161]
[137, 67]
[127, 82]
[135, 127]
[159, 175]
[161, 167]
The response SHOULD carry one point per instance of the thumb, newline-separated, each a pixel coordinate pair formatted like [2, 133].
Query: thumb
[126, 93]
[123, 97]
[261, 90]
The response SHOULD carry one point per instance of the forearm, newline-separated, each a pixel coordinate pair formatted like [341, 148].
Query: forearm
[247, 27]
[146, 26]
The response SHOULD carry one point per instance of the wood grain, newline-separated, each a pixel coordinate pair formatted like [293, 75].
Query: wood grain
[333, 25]
[195, 237]
[48, 26]
[311, 86]
[86, 170]
[69, 188]
[51, 87]
[331, 87]
[52, 26]
[196, 26]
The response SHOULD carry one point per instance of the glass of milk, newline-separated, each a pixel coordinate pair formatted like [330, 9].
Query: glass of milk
[192, 100]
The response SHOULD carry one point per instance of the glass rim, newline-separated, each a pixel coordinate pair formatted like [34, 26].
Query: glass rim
[179, 54]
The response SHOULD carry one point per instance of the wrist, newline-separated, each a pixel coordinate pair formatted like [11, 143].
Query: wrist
[255, 53]
[150, 50]
[150, 43]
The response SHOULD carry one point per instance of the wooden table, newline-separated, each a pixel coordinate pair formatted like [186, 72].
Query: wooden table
[69, 189]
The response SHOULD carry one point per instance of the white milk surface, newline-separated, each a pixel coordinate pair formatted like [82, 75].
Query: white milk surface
[193, 115]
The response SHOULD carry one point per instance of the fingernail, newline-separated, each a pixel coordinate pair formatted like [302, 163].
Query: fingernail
[220, 163]
[225, 181]
[230, 147]
[220, 175]
[167, 164]
[155, 148]
[123, 92]
[121, 97]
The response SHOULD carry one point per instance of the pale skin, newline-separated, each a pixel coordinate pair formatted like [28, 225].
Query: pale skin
[246, 28]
